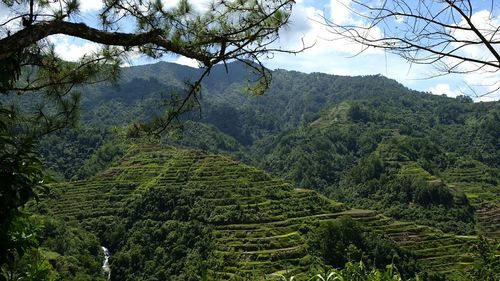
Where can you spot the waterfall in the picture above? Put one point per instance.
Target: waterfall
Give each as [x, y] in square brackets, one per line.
[105, 263]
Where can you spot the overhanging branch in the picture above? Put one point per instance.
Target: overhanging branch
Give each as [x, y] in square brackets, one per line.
[33, 33]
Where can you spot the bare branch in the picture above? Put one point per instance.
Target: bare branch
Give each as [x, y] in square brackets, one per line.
[425, 32]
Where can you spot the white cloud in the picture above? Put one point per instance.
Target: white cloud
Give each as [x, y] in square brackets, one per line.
[333, 54]
[198, 5]
[90, 5]
[487, 98]
[187, 61]
[487, 24]
[330, 53]
[7, 25]
[483, 79]
[445, 89]
[16, 9]
[484, 84]
[299, 28]
[85, 6]
[477, 74]
[307, 24]
[71, 49]
[340, 11]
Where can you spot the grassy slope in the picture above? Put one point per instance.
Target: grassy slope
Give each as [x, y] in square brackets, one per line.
[258, 221]
[483, 195]
[317, 143]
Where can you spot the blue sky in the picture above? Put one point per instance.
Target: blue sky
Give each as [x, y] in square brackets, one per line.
[328, 55]
[336, 56]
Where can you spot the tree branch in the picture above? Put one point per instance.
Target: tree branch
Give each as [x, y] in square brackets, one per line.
[39, 31]
[477, 32]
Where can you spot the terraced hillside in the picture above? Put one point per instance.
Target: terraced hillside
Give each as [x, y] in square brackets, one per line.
[256, 219]
[257, 222]
[437, 252]
[480, 185]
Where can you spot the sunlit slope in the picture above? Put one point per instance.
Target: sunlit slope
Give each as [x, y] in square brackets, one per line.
[256, 219]
[412, 162]
[437, 252]
[258, 223]
[481, 186]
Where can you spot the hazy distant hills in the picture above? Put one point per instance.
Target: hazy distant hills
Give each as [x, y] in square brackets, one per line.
[292, 98]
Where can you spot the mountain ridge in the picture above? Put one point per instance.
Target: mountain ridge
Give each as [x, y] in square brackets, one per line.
[427, 164]
[256, 224]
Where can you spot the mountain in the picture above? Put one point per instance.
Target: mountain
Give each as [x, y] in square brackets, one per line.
[322, 131]
[416, 171]
[163, 212]
[396, 159]
[293, 98]
[175, 214]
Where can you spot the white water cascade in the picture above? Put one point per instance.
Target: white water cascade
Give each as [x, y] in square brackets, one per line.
[105, 264]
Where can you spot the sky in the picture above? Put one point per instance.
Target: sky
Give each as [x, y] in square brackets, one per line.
[339, 56]
[328, 53]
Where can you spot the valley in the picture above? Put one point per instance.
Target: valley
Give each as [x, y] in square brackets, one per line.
[259, 224]
[260, 140]
[248, 189]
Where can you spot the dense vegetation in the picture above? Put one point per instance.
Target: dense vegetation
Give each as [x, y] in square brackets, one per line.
[367, 141]
[345, 240]
[169, 213]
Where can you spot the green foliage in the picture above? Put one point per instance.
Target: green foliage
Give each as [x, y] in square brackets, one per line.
[367, 141]
[33, 266]
[19, 242]
[207, 137]
[388, 160]
[355, 271]
[185, 215]
[50, 249]
[79, 153]
[487, 265]
[22, 237]
[21, 177]
[345, 240]
[168, 213]
[169, 250]
[357, 114]
[359, 272]
[10, 69]
[101, 159]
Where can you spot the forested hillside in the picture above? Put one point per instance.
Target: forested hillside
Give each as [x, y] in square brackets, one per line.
[367, 141]
[176, 214]
[391, 157]
[421, 172]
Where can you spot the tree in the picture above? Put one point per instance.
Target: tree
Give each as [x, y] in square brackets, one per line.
[487, 262]
[21, 180]
[456, 36]
[228, 30]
